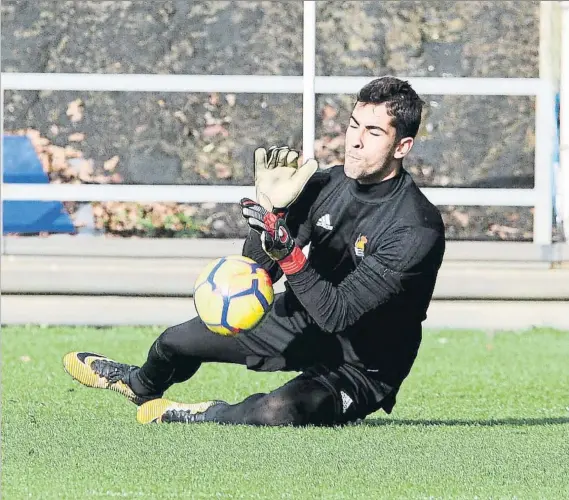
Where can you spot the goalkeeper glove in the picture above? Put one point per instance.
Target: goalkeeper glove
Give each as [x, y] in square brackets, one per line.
[278, 178]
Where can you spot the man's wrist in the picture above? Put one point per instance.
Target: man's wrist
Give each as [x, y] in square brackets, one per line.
[293, 262]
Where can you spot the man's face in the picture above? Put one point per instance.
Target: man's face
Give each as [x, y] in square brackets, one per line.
[372, 152]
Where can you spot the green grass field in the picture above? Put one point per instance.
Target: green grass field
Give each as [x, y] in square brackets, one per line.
[479, 417]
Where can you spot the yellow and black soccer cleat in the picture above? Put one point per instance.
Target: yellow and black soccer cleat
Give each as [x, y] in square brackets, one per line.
[95, 370]
[165, 411]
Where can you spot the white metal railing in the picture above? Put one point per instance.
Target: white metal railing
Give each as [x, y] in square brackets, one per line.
[540, 197]
[261, 84]
[232, 194]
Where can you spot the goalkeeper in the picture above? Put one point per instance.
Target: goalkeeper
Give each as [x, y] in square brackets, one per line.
[350, 318]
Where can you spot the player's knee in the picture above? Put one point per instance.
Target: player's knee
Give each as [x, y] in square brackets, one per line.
[304, 403]
[276, 410]
[167, 344]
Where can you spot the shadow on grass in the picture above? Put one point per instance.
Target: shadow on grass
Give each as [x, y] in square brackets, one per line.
[520, 422]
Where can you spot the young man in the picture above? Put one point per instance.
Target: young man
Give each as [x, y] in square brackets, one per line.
[350, 318]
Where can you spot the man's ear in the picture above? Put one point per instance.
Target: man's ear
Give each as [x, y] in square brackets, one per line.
[403, 147]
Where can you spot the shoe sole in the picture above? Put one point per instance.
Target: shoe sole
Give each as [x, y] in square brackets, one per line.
[153, 411]
[85, 375]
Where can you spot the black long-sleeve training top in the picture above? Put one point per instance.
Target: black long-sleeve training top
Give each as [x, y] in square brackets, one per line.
[375, 251]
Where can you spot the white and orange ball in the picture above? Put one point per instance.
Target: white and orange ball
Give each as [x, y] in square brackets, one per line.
[232, 294]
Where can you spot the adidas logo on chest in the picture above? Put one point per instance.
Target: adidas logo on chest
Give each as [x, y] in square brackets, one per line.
[324, 222]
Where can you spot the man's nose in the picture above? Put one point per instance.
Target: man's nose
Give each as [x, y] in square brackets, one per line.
[357, 141]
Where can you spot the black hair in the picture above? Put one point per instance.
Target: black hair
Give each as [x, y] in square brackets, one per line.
[402, 103]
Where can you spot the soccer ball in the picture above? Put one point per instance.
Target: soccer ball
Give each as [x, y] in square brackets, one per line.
[232, 294]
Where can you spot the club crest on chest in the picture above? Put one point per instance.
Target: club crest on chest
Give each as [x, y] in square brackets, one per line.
[360, 245]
